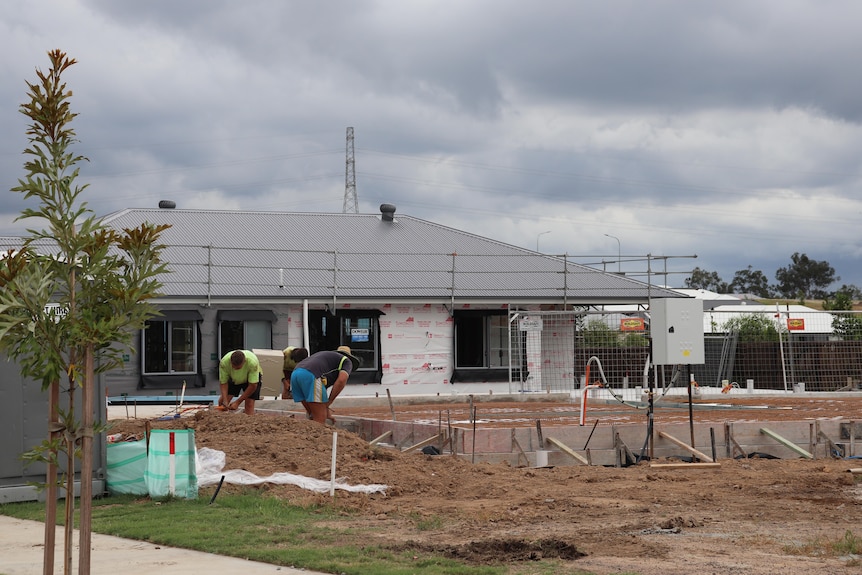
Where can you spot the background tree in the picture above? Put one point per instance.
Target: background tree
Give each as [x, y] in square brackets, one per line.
[847, 326]
[851, 291]
[702, 279]
[752, 327]
[598, 334]
[805, 278]
[839, 301]
[750, 281]
[100, 278]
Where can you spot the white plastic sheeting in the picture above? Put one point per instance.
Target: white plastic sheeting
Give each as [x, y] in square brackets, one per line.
[211, 462]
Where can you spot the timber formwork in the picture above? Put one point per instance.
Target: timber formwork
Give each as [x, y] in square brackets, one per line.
[538, 443]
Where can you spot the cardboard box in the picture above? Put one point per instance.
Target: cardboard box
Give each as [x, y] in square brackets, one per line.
[272, 364]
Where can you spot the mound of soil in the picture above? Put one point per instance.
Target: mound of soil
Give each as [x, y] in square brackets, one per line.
[754, 516]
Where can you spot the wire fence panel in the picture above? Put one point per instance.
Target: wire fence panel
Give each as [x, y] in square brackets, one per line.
[800, 351]
[553, 350]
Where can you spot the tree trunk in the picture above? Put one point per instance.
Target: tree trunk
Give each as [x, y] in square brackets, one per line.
[70, 433]
[51, 480]
[87, 407]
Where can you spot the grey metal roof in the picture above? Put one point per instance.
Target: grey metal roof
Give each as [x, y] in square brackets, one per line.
[274, 256]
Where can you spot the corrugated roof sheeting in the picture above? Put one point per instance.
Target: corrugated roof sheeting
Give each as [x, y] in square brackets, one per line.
[307, 255]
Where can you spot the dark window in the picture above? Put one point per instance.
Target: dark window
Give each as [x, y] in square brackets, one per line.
[244, 329]
[481, 340]
[357, 329]
[481, 345]
[170, 347]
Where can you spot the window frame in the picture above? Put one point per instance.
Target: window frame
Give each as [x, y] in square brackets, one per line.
[483, 367]
[168, 322]
[246, 319]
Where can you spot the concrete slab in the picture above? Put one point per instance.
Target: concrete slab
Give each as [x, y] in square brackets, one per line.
[21, 553]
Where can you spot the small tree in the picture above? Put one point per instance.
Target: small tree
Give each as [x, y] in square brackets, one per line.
[847, 326]
[852, 291]
[598, 334]
[840, 301]
[101, 280]
[752, 327]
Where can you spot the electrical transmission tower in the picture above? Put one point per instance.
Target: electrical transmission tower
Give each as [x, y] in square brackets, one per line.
[351, 204]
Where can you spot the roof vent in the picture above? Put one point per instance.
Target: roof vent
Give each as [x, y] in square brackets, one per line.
[388, 212]
[167, 204]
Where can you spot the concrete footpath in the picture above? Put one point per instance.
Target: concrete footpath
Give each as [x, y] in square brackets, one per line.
[22, 545]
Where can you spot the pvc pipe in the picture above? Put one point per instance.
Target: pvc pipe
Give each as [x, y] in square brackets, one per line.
[541, 458]
[584, 403]
[305, 337]
[588, 386]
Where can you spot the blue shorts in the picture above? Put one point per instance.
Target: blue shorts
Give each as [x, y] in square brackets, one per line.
[305, 387]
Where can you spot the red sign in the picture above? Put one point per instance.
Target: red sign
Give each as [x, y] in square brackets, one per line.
[795, 324]
[632, 324]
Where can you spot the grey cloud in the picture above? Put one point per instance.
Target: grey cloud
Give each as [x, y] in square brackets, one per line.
[620, 117]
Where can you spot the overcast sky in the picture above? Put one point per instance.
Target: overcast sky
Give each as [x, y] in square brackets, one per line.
[728, 130]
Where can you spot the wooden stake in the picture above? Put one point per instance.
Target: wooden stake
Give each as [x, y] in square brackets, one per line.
[381, 437]
[391, 406]
[473, 416]
[630, 457]
[699, 454]
[712, 442]
[591, 434]
[787, 443]
[423, 443]
[520, 450]
[568, 450]
[712, 465]
[450, 436]
[737, 447]
[833, 449]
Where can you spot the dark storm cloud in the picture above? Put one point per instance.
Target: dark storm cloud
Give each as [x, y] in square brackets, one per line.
[726, 129]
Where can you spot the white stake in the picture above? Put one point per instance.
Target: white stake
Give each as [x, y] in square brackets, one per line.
[183, 395]
[332, 477]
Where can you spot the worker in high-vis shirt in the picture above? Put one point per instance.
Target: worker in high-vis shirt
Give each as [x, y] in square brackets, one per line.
[239, 376]
[319, 379]
[292, 356]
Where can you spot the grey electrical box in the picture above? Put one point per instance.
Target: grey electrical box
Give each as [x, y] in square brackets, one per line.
[676, 327]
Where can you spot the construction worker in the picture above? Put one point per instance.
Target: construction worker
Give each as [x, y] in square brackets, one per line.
[318, 379]
[239, 376]
[292, 356]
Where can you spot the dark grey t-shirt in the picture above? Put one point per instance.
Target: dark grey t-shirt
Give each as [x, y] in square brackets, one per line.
[326, 364]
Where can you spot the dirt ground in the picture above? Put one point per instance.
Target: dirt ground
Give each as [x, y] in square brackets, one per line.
[753, 517]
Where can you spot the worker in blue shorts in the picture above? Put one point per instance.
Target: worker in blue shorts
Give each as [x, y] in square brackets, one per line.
[318, 379]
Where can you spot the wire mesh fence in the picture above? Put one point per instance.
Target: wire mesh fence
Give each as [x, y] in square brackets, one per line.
[758, 349]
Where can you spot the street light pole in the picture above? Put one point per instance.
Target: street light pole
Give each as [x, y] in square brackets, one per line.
[619, 257]
[538, 236]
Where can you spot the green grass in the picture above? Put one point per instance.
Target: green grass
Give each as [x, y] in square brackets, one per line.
[848, 545]
[262, 528]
